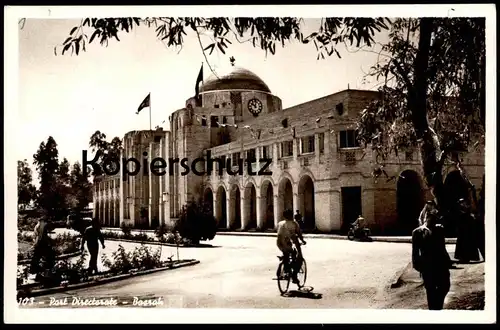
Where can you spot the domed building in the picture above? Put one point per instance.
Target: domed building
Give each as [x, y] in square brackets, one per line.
[304, 158]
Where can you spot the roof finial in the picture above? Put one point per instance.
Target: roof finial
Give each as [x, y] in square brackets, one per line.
[231, 59]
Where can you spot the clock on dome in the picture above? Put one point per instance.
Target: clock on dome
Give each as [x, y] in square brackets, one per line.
[255, 107]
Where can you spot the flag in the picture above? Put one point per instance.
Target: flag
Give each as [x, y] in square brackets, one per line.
[146, 103]
[198, 81]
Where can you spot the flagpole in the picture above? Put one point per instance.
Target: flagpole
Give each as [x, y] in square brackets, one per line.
[150, 128]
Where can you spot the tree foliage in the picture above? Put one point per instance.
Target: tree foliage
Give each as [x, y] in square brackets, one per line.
[433, 94]
[107, 150]
[81, 189]
[25, 189]
[62, 191]
[49, 197]
[196, 223]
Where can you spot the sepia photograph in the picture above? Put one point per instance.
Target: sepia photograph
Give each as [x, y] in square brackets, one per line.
[250, 163]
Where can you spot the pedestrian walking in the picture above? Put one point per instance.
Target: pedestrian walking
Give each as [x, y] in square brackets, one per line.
[42, 248]
[430, 258]
[466, 248]
[430, 206]
[298, 217]
[92, 235]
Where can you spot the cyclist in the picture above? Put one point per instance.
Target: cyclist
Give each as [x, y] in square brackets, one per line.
[289, 234]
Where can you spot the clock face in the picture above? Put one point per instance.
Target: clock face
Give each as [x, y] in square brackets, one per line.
[255, 106]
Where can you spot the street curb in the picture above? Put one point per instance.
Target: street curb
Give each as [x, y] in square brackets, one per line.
[41, 292]
[333, 236]
[388, 239]
[155, 243]
[59, 257]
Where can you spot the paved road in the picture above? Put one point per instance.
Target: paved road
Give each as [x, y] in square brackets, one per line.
[238, 272]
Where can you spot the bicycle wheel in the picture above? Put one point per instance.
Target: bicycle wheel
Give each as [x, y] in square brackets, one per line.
[302, 274]
[283, 278]
[350, 235]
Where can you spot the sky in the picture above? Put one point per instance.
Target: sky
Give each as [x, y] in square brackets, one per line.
[69, 97]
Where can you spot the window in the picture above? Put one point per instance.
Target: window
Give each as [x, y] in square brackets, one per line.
[203, 121]
[224, 120]
[321, 141]
[266, 152]
[340, 108]
[223, 104]
[284, 123]
[235, 158]
[307, 144]
[251, 156]
[409, 155]
[216, 106]
[287, 149]
[213, 121]
[348, 139]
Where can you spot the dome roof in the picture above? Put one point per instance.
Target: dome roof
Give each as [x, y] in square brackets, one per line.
[236, 78]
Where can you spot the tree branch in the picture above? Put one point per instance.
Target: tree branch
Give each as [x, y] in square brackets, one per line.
[205, 55]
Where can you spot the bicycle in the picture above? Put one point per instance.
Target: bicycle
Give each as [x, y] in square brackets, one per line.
[284, 277]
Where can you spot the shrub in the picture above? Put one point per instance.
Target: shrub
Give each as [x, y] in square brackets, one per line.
[22, 275]
[161, 231]
[196, 223]
[140, 237]
[126, 229]
[121, 261]
[142, 257]
[69, 272]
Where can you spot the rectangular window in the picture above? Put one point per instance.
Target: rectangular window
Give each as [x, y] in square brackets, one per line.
[321, 138]
[340, 109]
[213, 121]
[235, 158]
[266, 152]
[287, 149]
[203, 121]
[224, 120]
[307, 144]
[251, 155]
[348, 139]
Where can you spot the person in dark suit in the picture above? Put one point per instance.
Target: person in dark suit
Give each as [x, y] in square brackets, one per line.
[92, 236]
[430, 258]
[467, 248]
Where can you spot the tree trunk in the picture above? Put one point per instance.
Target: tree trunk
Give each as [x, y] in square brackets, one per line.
[417, 102]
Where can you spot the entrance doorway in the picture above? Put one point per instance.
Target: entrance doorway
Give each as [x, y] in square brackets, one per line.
[351, 206]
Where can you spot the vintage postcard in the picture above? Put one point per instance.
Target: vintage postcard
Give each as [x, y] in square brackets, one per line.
[285, 164]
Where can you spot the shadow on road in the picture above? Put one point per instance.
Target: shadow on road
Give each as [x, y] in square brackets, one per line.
[306, 292]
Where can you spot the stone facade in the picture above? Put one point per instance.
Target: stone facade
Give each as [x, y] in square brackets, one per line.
[317, 166]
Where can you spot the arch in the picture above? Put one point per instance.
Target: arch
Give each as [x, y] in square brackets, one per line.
[307, 172]
[285, 194]
[249, 181]
[306, 201]
[409, 200]
[208, 199]
[250, 206]
[235, 205]
[267, 204]
[221, 208]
